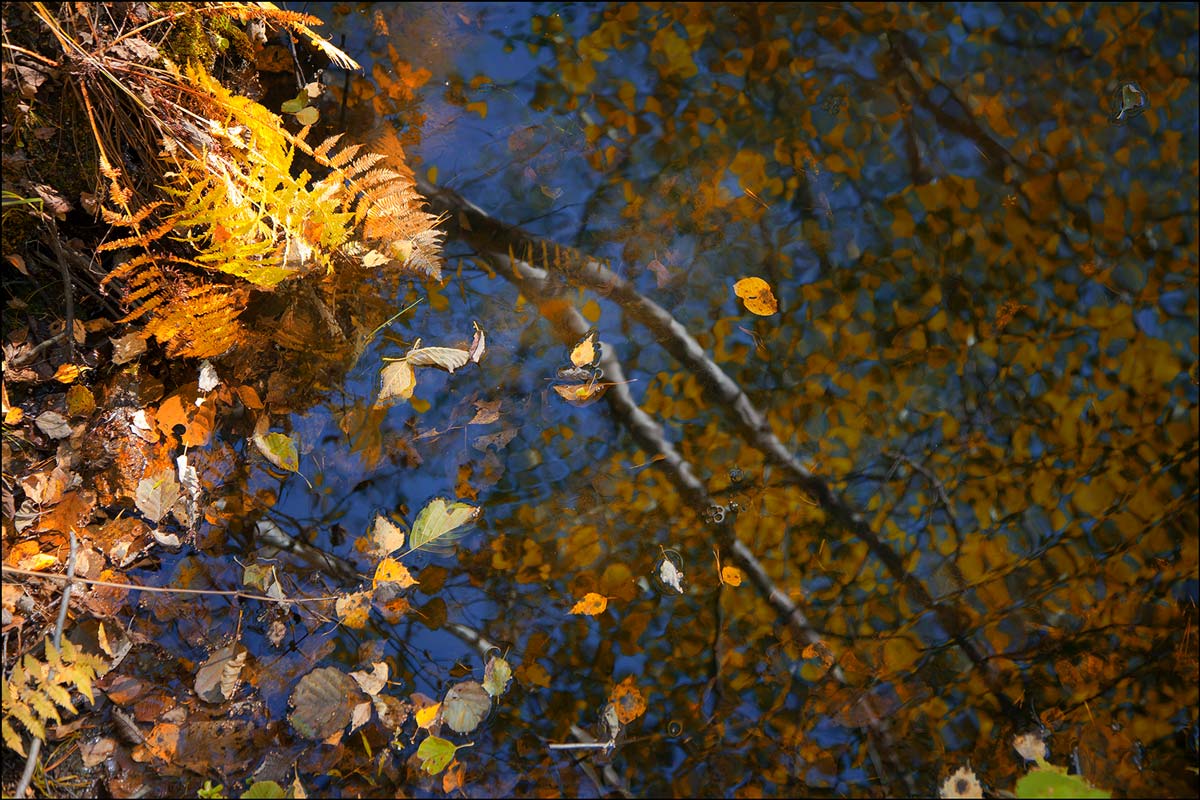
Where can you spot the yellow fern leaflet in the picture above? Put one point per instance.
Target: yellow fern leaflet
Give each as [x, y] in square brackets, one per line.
[756, 296]
[587, 353]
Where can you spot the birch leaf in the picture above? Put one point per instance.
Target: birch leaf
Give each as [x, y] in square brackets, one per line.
[437, 520]
[386, 537]
[392, 571]
[587, 353]
[591, 604]
[280, 450]
[496, 676]
[396, 380]
[435, 754]
[448, 358]
[155, 495]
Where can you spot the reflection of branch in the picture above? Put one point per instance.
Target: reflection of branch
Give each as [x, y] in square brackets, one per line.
[505, 244]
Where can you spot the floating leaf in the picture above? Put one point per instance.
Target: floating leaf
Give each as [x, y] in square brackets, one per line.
[155, 495]
[438, 519]
[427, 715]
[322, 703]
[670, 572]
[435, 753]
[731, 576]
[582, 394]
[478, 344]
[280, 450]
[353, 609]
[465, 706]
[1047, 780]
[586, 354]
[591, 604]
[392, 571]
[67, 373]
[372, 682]
[396, 380]
[218, 678]
[448, 358]
[386, 537]
[496, 676]
[208, 377]
[756, 295]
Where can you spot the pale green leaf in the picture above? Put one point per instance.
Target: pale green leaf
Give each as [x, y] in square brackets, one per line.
[280, 450]
[437, 520]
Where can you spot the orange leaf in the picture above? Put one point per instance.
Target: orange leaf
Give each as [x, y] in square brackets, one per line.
[731, 576]
[628, 701]
[67, 373]
[756, 295]
[591, 604]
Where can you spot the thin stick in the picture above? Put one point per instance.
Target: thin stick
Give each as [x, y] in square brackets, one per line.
[389, 321]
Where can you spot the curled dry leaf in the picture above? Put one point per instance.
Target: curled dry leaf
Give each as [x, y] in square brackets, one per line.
[218, 678]
[478, 344]
[448, 358]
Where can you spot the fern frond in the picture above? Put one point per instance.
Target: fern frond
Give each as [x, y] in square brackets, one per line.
[36, 690]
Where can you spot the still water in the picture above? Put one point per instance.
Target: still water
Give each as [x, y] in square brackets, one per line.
[955, 471]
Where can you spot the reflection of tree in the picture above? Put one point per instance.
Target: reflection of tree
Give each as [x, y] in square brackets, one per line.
[978, 377]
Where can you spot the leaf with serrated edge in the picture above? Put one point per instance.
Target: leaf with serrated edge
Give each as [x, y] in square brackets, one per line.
[386, 537]
[280, 450]
[448, 358]
[437, 519]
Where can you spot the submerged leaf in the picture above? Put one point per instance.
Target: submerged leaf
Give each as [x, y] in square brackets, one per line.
[478, 344]
[437, 520]
[323, 701]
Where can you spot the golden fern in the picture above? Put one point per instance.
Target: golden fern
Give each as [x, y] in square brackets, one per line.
[36, 690]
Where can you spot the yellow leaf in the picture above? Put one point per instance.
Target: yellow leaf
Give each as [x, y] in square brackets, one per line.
[353, 609]
[427, 715]
[397, 380]
[591, 604]
[41, 562]
[587, 352]
[14, 415]
[757, 296]
[581, 394]
[67, 373]
[731, 576]
[392, 571]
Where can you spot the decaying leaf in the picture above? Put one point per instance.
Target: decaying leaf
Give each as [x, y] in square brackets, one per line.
[53, 424]
[353, 609]
[627, 701]
[465, 706]
[322, 703]
[155, 495]
[437, 520]
[756, 296]
[218, 678]
[496, 676]
[582, 394]
[486, 412]
[591, 604]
